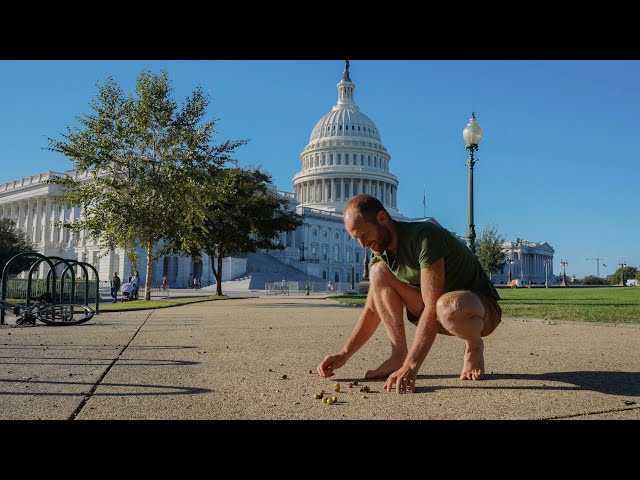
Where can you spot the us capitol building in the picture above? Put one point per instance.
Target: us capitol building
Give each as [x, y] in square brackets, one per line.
[345, 156]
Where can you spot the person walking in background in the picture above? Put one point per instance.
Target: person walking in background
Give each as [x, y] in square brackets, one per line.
[115, 287]
[165, 286]
[135, 281]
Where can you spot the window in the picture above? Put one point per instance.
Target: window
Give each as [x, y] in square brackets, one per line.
[346, 159]
[336, 277]
[324, 274]
[357, 277]
[357, 256]
[336, 253]
[324, 234]
[358, 127]
[347, 258]
[314, 233]
[339, 160]
[361, 159]
[325, 251]
[314, 251]
[337, 235]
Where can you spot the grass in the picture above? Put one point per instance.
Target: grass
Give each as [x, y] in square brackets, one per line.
[602, 304]
[146, 305]
[149, 304]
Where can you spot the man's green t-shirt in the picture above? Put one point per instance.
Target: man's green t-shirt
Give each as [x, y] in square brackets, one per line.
[420, 244]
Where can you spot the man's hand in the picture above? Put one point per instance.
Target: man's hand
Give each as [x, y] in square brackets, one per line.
[331, 363]
[403, 378]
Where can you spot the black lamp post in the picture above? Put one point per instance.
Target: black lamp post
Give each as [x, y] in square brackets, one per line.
[564, 264]
[547, 263]
[622, 265]
[509, 261]
[472, 135]
[353, 279]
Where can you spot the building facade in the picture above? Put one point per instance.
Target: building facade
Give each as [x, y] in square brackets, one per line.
[345, 156]
[532, 262]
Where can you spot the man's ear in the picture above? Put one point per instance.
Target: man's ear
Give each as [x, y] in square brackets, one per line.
[382, 217]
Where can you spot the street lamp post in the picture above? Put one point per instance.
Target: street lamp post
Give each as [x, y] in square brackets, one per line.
[472, 134]
[547, 262]
[622, 265]
[564, 264]
[509, 261]
[353, 279]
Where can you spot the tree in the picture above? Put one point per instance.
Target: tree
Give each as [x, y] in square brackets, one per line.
[490, 253]
[593, 280]
[12, 242]
[629, 272]
[145, 158]
[242, 216]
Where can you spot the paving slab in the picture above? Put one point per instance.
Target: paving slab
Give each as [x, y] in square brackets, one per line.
[227, 359]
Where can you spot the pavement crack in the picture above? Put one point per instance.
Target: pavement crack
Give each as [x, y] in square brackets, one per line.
[88, 395]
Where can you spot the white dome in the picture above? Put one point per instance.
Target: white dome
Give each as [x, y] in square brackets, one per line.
[345, 121]
[345, 156]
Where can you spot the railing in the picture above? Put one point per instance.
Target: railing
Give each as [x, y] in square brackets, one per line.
[17, 288]
[297, 288]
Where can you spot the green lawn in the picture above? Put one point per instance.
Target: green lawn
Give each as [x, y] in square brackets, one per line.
[144, 304]
[604, 304]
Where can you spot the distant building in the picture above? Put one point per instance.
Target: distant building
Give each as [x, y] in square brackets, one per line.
[528, 262]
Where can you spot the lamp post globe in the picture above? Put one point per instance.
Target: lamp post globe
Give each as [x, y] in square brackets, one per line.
[472, 134]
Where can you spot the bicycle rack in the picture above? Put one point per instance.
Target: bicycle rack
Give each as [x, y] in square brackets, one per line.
[52, 277]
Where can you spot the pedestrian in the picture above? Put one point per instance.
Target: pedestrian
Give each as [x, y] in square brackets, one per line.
[165, 286]
[115, 286]
[135, 282]
[425, 269]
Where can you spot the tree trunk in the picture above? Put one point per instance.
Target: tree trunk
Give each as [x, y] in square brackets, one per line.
[147, 287]
[219, 273]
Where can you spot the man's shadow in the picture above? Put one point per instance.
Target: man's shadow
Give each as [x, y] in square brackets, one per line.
[611, 383]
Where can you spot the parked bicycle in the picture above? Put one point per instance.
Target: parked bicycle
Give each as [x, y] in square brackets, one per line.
[46, 311]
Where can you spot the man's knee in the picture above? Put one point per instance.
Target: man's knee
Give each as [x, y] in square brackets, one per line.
[452, 304]
[379, 274]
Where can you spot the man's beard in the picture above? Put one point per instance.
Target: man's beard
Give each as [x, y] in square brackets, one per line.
[384, 239]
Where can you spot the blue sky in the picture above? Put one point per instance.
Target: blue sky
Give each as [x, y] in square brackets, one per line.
[557, 161]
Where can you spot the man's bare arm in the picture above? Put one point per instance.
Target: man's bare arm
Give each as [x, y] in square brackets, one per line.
[432, 288]
[362, 331]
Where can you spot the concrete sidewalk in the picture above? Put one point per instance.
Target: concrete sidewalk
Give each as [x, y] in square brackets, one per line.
[227, 359]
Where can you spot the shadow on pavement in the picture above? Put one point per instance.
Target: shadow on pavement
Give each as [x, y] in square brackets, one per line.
[149, 389]
[610, 383]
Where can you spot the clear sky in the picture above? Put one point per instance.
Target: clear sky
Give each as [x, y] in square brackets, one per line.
[557, 161]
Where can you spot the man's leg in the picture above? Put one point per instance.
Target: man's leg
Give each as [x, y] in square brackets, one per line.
[461, 313]
[389, 295]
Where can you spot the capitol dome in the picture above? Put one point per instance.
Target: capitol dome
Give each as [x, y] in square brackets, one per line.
[345, 156]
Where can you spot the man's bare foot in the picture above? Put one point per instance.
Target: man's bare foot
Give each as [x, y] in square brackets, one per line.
[473, 368]
[387, 367]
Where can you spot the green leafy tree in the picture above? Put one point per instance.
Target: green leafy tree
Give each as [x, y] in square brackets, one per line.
[139, 161]
[593, 280]
[629, 272]
[12, 242]
[490, 253]
[242, 215]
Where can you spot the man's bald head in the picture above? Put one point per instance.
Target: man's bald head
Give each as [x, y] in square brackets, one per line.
[363, 205]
